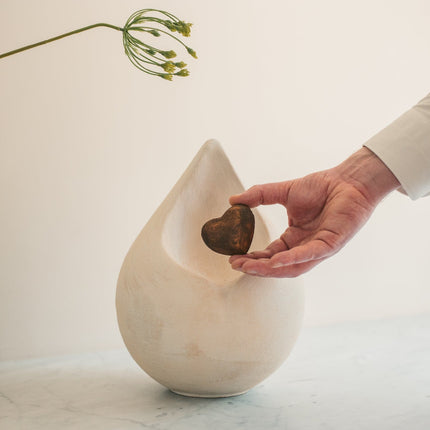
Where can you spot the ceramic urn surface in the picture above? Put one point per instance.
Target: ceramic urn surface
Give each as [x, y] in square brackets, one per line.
[191, 322]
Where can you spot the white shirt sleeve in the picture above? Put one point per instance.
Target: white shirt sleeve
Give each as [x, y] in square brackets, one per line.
[404, 147]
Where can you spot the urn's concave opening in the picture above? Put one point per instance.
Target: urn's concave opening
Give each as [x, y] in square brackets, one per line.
[204, 195]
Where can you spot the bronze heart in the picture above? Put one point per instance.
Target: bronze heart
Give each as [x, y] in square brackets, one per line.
[232, 233]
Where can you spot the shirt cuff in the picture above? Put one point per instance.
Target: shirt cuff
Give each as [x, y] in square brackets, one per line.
[404, 147]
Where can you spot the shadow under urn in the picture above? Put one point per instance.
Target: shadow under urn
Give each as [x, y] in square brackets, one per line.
[189, 321]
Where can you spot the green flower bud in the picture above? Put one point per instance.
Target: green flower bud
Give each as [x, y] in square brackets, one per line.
[180, 65]
[167, 76]
[168, 67]
[168, 54]
[184, 28]
[192, 52]
[183, 72]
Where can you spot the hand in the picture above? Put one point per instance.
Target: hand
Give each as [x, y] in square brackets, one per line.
[325, 210]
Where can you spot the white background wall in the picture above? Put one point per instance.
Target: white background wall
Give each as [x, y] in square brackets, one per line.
[89, 147]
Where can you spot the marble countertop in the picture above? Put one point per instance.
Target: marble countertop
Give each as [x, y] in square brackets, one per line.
[365, 375]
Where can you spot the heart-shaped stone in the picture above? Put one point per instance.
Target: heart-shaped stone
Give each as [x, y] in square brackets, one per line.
[232, 233]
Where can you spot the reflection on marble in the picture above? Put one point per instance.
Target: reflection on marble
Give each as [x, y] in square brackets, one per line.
[372, 375]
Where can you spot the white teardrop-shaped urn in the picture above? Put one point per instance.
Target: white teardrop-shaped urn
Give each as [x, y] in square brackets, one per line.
[191, 322]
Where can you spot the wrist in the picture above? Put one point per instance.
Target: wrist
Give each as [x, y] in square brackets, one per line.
[368, 174]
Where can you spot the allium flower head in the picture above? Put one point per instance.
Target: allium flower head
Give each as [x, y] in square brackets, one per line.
[151, 59]
[136, 32]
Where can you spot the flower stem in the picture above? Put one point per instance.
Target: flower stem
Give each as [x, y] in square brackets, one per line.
[43, 42]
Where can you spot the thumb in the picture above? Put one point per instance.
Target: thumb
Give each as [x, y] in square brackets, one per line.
[266, 194]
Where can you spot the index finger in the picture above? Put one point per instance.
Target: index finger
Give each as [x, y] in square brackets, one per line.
[265, 194]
